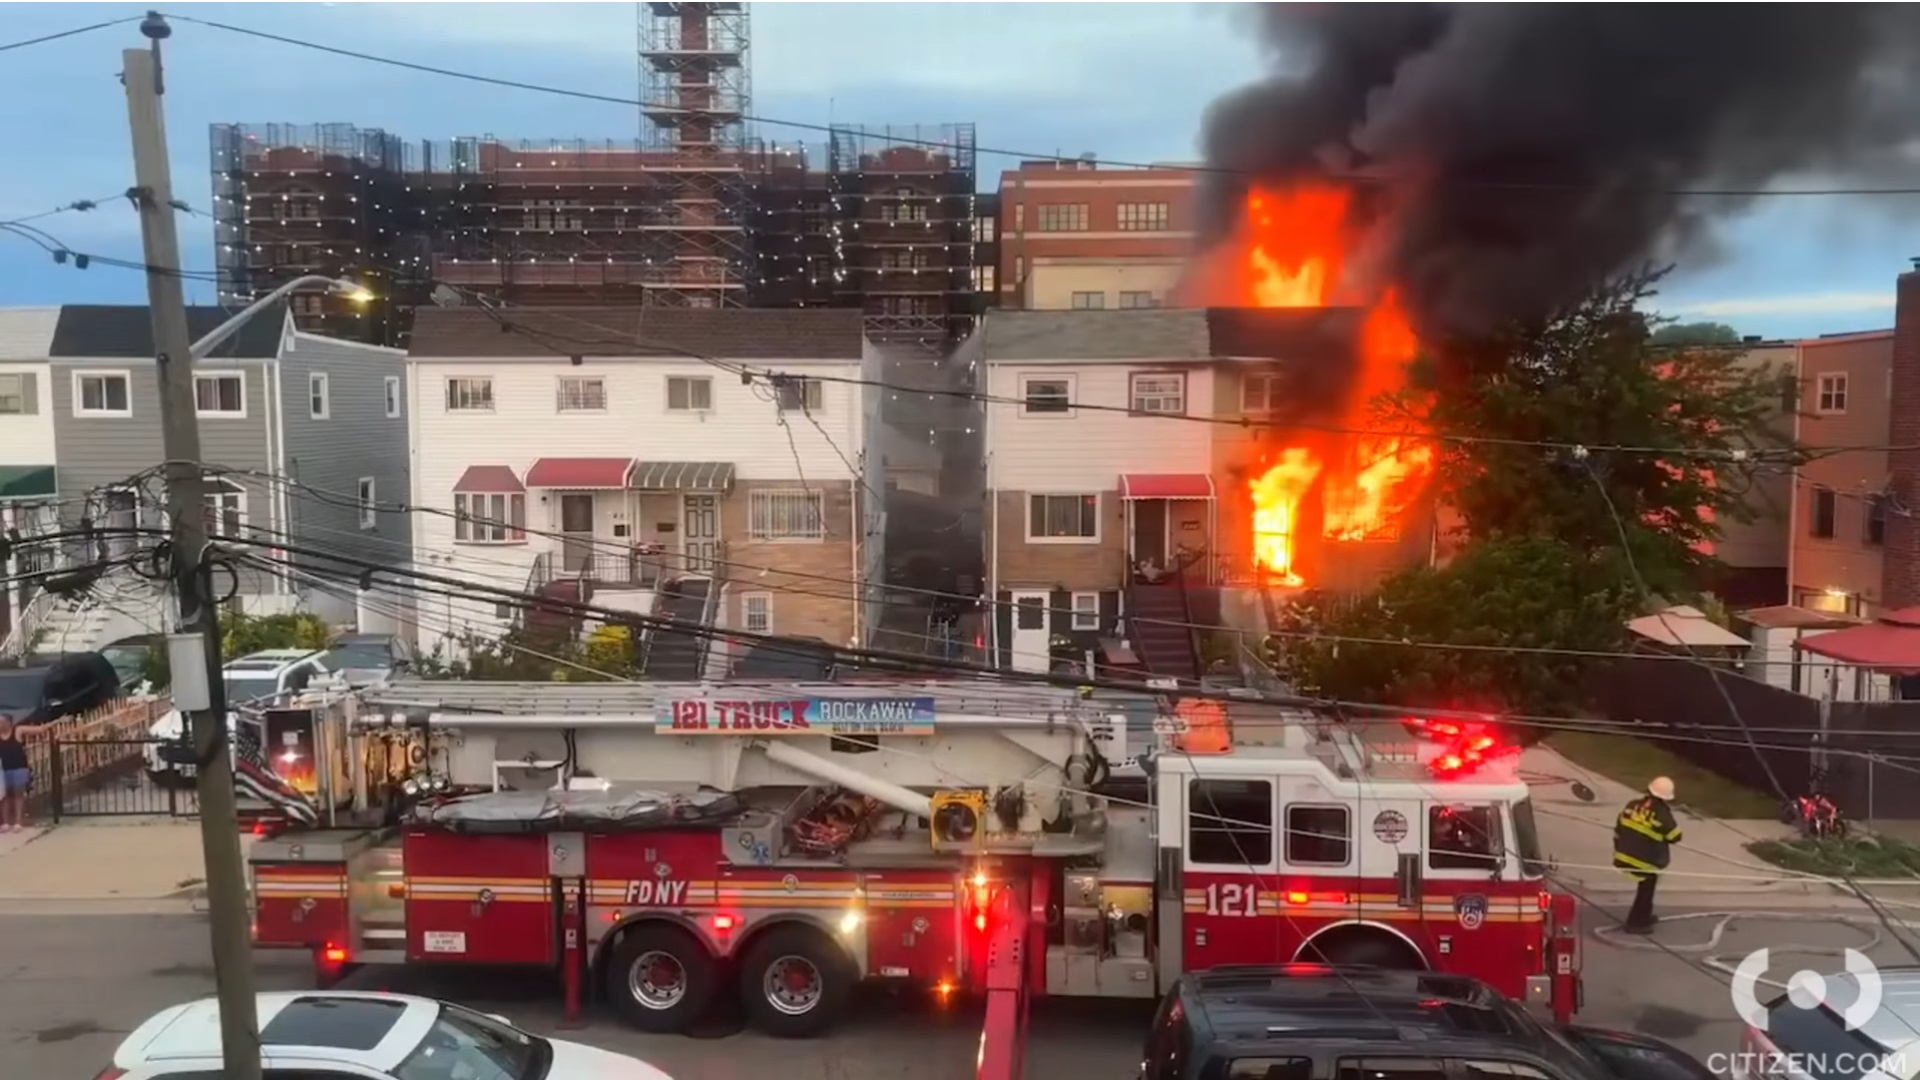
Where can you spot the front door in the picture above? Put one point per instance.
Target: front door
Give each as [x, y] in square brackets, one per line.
[1150, 532]
[1028, 643]
[699, 533]
[576, 532]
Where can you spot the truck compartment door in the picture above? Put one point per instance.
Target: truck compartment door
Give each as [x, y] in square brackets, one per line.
[479, 899]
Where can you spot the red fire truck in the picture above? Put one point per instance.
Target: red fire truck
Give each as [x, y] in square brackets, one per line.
[781, 843]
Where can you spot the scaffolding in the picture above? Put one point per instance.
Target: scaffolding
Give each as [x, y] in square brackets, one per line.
[790, 219]
[906, 226]
[696, 87]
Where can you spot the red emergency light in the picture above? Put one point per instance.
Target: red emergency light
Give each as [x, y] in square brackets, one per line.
[1468, 745]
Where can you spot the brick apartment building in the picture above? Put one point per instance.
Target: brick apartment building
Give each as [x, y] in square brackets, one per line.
[1073, 235]
[1900, 568]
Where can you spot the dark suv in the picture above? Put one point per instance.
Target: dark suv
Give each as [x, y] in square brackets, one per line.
[41, 689]
[1311, 1022]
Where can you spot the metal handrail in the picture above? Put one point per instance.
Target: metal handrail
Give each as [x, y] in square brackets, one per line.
[19, 639]
[710, 611]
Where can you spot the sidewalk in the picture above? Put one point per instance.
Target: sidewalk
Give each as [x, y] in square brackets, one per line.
[117, 859]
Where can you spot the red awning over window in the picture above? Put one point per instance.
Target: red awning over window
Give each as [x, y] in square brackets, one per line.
[489, 480]
[579, 473]
[1166, 486]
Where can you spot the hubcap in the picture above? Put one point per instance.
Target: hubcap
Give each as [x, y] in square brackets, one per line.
[657, 981]
[793, 985]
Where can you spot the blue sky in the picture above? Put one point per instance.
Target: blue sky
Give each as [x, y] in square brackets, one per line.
[1128, 81]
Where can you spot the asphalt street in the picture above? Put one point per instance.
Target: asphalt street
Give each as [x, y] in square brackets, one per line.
[71, 986]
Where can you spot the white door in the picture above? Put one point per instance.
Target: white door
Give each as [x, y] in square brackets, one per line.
[1029, 639]
[699, 533]
[122, 518]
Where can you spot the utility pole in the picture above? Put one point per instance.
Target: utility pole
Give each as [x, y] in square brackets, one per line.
[192, 581]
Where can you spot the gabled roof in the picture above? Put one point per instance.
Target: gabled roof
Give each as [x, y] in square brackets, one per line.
[112, 331]
[726, 333]
[1170, 334]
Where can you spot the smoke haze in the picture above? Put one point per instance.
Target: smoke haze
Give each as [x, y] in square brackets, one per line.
[1528, 150]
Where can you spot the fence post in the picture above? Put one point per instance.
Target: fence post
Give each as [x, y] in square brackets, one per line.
[57, 795]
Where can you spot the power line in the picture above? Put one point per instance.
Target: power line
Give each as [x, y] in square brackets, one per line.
[937, 144]
[75, 32]
[76, 205]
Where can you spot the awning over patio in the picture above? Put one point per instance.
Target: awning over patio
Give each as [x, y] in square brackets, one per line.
[489, 480]
[1890, 645]
[1166, 486]
[1687, 628]
[682, 476]
[26, 482]
[580, 473]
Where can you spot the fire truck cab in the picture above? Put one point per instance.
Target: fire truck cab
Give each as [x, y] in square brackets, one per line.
[681, 848]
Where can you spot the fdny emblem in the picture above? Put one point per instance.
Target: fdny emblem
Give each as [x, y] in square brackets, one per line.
[1471, 910]
[790, 883]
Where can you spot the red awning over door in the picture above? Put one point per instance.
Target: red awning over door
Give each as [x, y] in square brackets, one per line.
[1166, 486]
[579, 473]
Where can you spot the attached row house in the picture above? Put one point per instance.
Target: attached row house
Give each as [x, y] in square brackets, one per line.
[702, 465]
[307, 436]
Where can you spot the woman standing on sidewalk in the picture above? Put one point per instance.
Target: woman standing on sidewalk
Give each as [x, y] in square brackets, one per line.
[16, 775]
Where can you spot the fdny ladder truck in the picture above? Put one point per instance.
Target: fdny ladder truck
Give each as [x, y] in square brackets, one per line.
[664, 845]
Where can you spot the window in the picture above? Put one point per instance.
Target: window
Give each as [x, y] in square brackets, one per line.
[983, 230]
[1130, 299]
[319, 397]
[467, 1044]
[756, 612]
[101, 393]
[1086, 611]
[1820, 519]
[369, 506]
[489, 518]
[1259, 392]
[18, 396]
[1063, 217]
[1318, 836]
[1292, 1068]
[800, 395]
[1143, 217]
[226, 508]
[470, 394]
[220, 395]
[689, 393]
[786, 515]
[1048, 396]
[1832, 394]
[1876, 528]
[392, 390]
[1159, 392]
[1230, 822]
[1464, 838]
[581, 393]
[1063, 517]
[1089, 301]
[984, 279]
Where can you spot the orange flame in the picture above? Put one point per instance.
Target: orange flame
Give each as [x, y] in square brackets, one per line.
[1296, 244]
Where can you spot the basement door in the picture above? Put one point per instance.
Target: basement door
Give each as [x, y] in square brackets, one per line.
[1027, 643]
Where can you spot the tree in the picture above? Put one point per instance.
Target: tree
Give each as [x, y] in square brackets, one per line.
[1695, 333]
[242, 634]
[520, 655]
[1461, 635]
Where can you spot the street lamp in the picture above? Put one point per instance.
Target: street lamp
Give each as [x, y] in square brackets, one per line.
[346, 287]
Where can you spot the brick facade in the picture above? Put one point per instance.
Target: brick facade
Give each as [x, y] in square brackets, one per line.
[810, 582]
[1900, 568]
[1073, 567]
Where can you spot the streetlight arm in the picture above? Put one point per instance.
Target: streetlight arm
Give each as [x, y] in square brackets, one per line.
[225, 330]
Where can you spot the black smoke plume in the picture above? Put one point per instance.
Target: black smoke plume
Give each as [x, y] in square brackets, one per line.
[1520, 152]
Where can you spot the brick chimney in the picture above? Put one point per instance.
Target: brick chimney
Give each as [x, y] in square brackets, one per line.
[1900, 573]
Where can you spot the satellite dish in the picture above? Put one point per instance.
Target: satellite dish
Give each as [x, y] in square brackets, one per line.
[445, 296]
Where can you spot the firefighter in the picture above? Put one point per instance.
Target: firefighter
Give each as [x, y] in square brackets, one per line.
[1643, 840]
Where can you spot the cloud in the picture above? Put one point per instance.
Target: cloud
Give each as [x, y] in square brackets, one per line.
[1832, 303]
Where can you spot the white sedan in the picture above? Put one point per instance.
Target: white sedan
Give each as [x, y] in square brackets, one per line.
[337, 1035]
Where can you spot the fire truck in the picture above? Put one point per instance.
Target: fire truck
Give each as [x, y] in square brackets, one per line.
[663, 846]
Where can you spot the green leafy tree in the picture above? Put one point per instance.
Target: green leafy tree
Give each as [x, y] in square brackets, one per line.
[241, 634]
[521, 655]
[1696, 333]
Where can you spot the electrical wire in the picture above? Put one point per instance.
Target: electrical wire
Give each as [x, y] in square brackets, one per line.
[75, 32]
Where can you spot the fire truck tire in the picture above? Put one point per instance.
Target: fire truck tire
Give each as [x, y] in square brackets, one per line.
[794, 982]
[1352, 947]
[661, 979]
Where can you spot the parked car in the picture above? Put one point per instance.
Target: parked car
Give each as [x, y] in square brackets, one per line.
[1825, 1042]
[255, 680]
[364, 1036]
[369, 659]
[129, 659]
[44, 688]
[1312, 1022]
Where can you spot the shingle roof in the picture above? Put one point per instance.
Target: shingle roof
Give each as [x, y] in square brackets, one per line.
[126, 330]
[1169, 333]
[728, 333]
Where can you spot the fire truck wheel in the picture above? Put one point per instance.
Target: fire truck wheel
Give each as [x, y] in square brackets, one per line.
[662, 979]
[1346, 947]
[794, 982]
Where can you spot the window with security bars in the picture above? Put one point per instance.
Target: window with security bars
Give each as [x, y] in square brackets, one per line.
[1142, 217]
[581, 393]
[470, 394]
[1062, 217]
[756, 613]
[489, 518]
[786, 515]
[1159, 392]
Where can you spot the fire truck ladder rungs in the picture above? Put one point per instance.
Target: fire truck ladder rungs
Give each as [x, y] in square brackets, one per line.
[1003, 1036]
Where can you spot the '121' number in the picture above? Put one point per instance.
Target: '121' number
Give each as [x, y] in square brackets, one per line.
[1233, 898]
